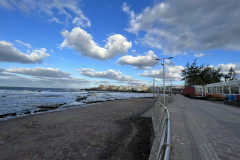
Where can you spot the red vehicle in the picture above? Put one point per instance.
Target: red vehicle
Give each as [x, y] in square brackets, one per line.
[229, 91]
[190, 91]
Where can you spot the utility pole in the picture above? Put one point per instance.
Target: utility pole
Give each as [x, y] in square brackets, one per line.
[164, 87]
[153, 87]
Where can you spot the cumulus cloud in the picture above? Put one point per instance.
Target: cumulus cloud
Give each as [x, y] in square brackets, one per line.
[198, 55]
[54, 77]
[83, 42]
[59, 11]
[22, 81]
[177, 26]
[226, 67]
[109, 74]
[40, 72]
[8, 53]
[139, 62]
[41, 77]
[172, 72]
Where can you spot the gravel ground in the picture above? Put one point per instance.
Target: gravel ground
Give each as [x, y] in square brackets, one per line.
[99, 131]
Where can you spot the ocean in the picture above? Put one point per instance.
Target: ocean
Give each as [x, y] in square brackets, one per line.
[22, 101]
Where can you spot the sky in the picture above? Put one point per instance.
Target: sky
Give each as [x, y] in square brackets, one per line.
[85, 43]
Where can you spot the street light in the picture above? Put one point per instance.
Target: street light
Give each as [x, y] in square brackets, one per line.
[164, 88]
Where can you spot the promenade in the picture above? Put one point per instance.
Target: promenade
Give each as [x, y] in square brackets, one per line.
[204, 130]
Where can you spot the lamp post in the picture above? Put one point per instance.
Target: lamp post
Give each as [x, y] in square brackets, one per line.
[153, 87]
[164, 87]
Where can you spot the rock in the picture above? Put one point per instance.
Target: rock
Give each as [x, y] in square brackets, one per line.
[41, 110]
[7, 115]
[27, 112]
[81, 98]
[52, 106]
[61, 104]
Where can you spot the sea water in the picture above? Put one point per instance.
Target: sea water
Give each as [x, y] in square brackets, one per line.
[21, 99]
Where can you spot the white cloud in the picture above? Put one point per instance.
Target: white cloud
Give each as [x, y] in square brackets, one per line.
[44, 82]
[134, 52]
[158, 79]
[40, 72]
[8, 53]
[126, 9]
[5, 4]
[198, 55]
[2, 69]
[171, 72]
[110, 74]
[177, 26]
[59, 11]
[226, 67]
[24, 44]
[41, 77]
[83, 42]
[4, 73]
[56, 20]
[140, 62]
[54, 77]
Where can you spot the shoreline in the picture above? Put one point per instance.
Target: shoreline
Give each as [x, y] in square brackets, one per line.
[77, 133]
[57, 107]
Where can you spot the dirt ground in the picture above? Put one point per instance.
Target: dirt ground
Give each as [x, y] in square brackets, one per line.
[99, 131]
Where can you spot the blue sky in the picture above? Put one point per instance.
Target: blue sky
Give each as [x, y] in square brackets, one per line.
[85, 43]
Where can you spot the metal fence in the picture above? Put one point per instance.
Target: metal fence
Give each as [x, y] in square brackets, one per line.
[142, 110]
[161, 146]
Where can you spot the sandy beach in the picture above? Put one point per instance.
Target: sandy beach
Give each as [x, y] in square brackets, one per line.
[99, 131]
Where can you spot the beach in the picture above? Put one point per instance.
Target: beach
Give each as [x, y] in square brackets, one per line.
[99, 131]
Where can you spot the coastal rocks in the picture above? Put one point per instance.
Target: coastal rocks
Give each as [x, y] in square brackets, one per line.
[90, 102]
[50, 107]
[25, 112]
[81, 98]
[8, 115]
[42, 108]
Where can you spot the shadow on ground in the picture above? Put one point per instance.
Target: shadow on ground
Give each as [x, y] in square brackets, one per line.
[132, 141]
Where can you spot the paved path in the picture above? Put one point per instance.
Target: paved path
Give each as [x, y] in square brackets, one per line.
[203, 130]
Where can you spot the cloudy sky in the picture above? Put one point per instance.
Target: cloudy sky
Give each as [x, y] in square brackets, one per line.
[85, 43]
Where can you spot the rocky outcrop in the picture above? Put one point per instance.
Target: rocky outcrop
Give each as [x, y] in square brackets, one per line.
[81, 98]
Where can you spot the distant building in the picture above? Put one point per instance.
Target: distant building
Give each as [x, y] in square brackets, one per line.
[139, 88]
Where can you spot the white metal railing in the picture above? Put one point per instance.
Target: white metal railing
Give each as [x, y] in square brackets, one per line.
[161, 146]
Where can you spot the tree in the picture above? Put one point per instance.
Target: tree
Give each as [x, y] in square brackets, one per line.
[231, 75]
[191, 73]
[210, 75]
[195, 74]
